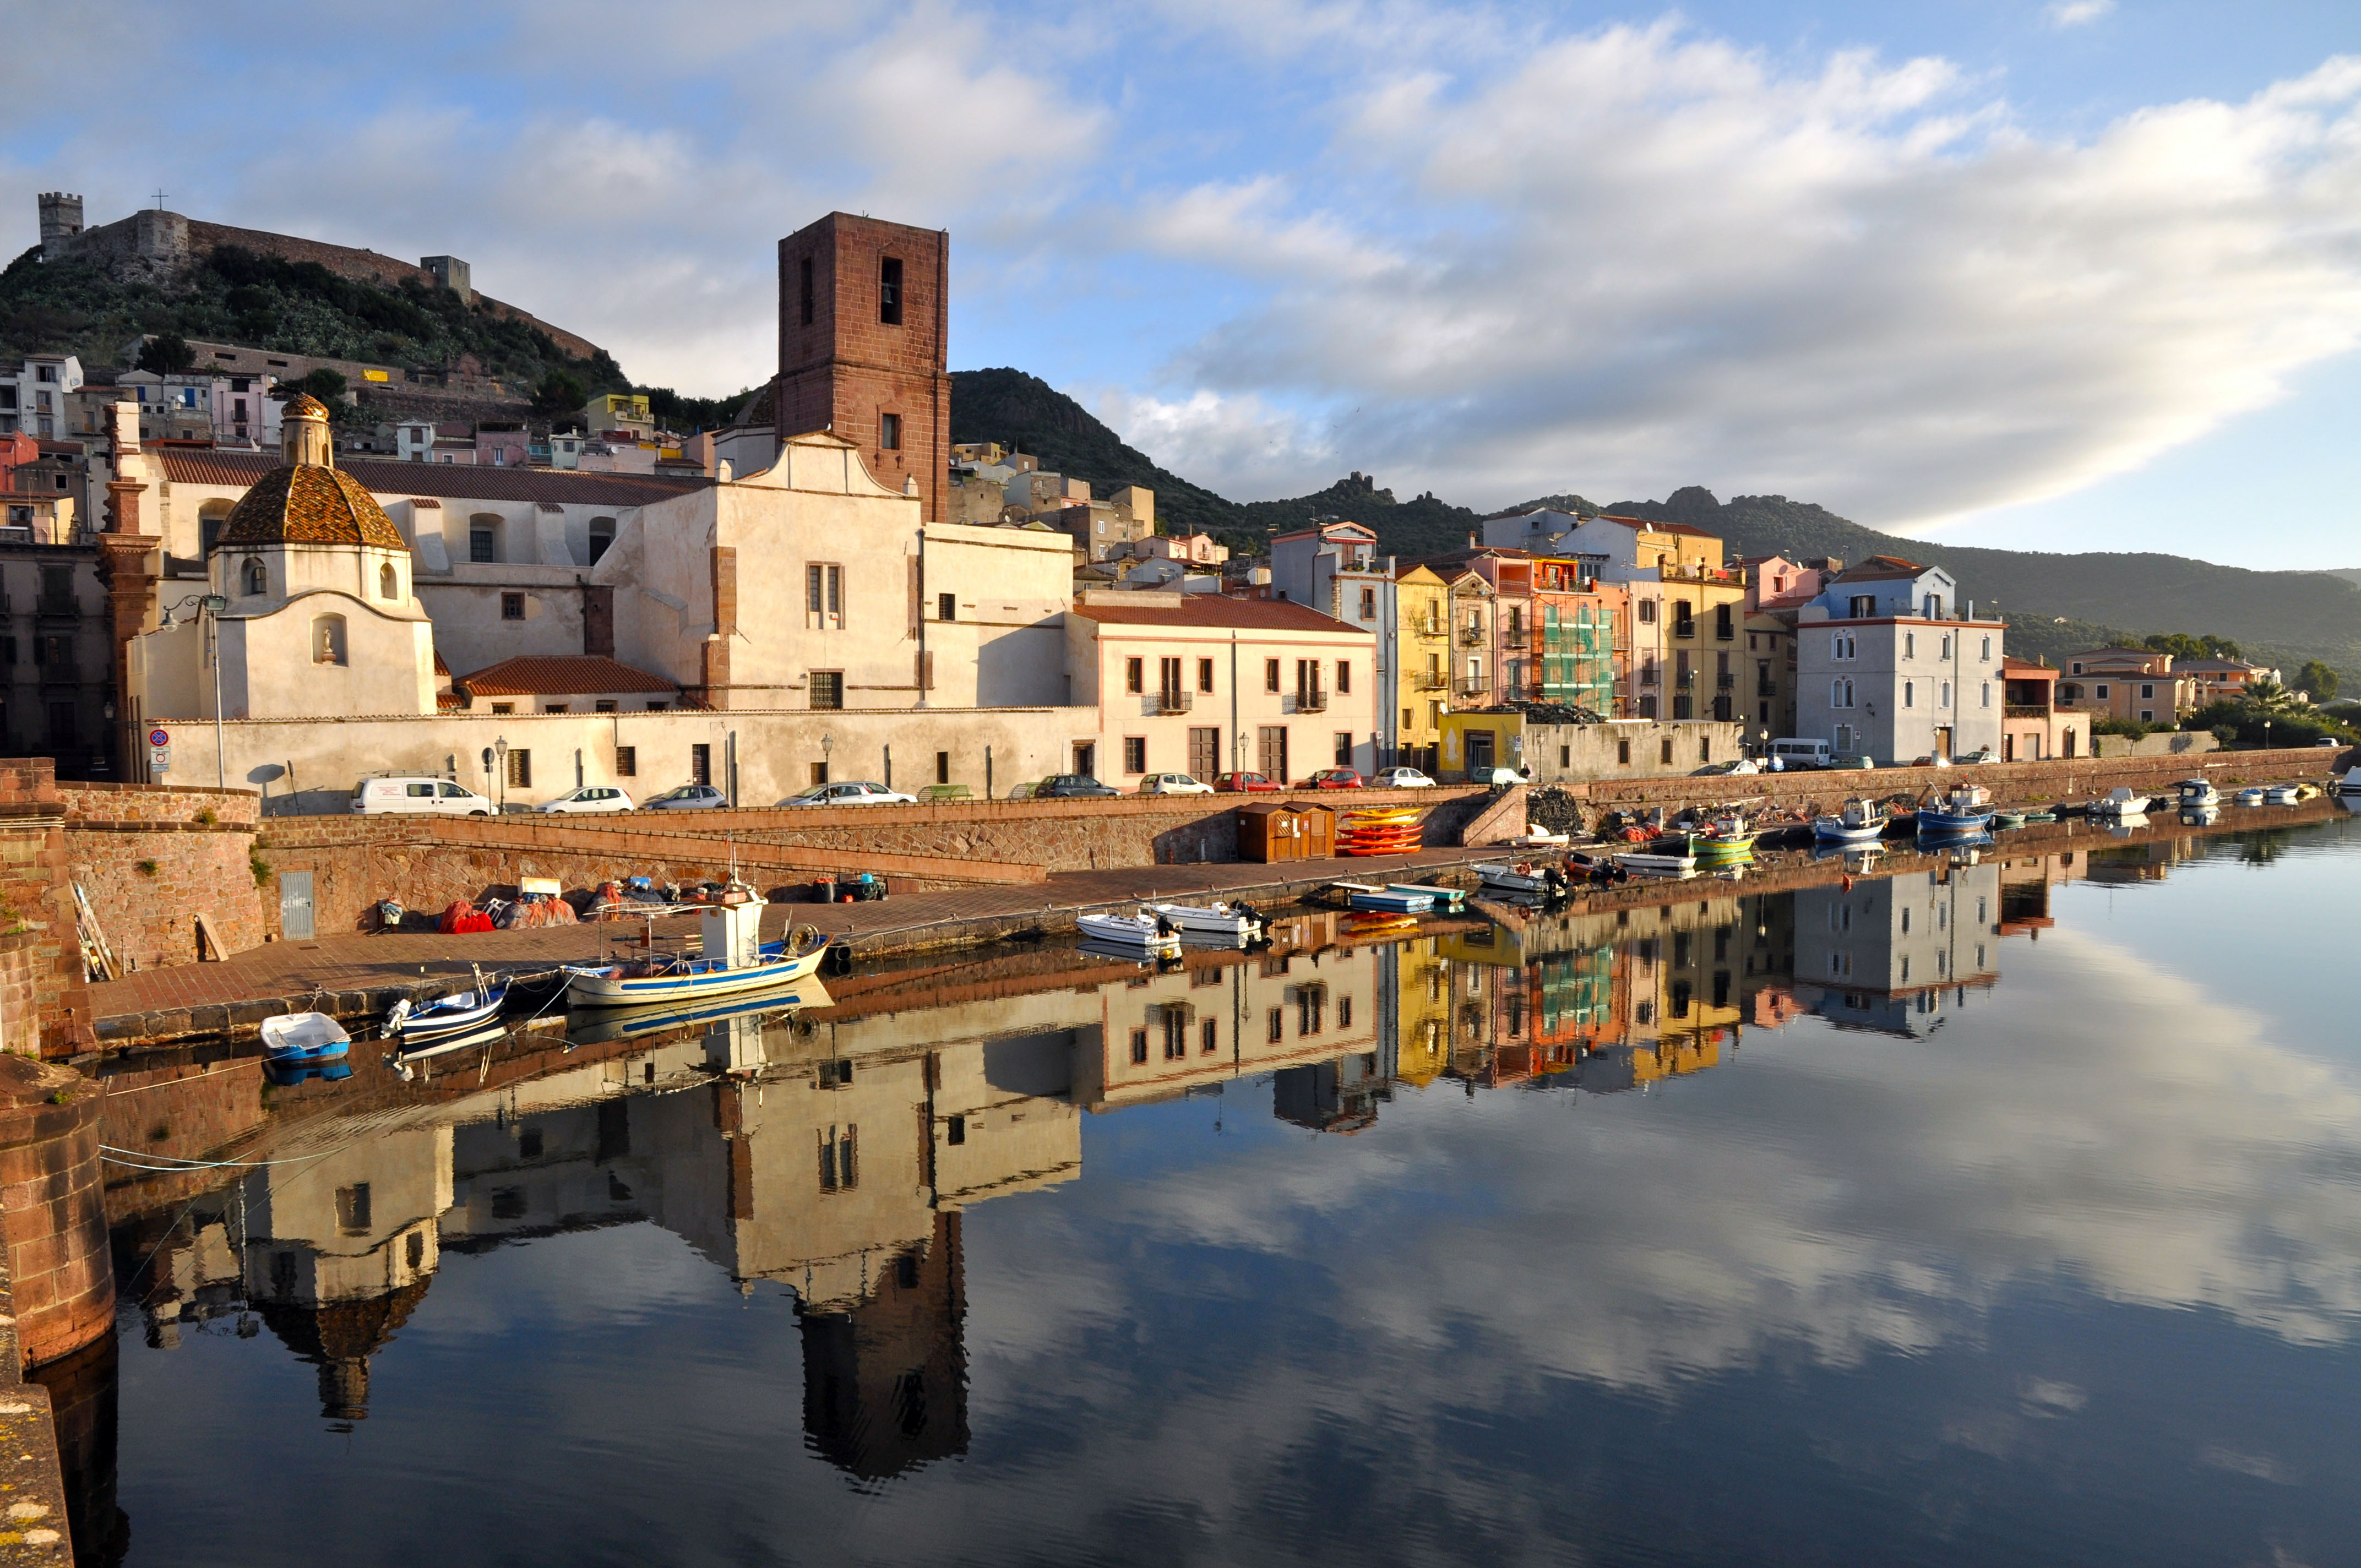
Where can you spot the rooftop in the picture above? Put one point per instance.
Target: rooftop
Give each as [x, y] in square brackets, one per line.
[1213, 609]
[562, 674]
[209, 466]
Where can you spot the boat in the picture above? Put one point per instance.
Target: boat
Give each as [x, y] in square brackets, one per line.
[456, 1013]
[1967, 809]
[1600, 869]
[2041, 817]
[2251, 795]
[609, 1023]
[1656, 862]
[1444, 897]
[1861, 821]
[1237, 922]
[2280, 795]
[1720, 849]
[297, 1038]
[2197, 791]
[730, 961]
[1366, 895]
[2351, 783]
[2120, 802]
[1138, 933]
[486, 1034]
[2008, 819]
[1540, 838]
[2200, 816]
[1517, 876]
[287, 1074]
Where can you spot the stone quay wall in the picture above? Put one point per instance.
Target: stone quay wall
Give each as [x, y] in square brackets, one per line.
[150, 858]
[44, 997]
[52, 1209]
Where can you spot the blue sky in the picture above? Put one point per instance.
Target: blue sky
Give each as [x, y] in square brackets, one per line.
[2062, 274]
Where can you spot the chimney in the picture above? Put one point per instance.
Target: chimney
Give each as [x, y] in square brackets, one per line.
[1471, 539]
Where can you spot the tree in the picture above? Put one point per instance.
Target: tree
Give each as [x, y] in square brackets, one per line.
[324, 384]
[167, 353]
[559, 393]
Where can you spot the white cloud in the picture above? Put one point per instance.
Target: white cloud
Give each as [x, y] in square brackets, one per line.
[2079, 13]
[1643, 259]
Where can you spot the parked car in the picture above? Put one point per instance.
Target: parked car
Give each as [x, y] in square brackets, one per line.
[2331, 741]
[1498, 777]
[1173, 783]
[1793, 751]
[1246, 784]
[1400, 778]
[1742, 765]
[1071, 787]
[851, 791]
[590, 798]
[687, 798]
[1333, 778]
[412, 795]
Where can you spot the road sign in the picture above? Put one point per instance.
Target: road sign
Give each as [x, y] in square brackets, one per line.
[159, 737]
[159, 759]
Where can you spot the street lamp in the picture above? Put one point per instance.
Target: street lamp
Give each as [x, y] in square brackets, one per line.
[500, 756]
[209, 608]
[827, 749]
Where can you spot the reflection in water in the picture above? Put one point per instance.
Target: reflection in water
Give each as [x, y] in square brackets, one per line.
[1866, 1193]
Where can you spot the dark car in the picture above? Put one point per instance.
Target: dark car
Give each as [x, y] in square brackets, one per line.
[1333, 778]
[1246, 784]
[1071, 787]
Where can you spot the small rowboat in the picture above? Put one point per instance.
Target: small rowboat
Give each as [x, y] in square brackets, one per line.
[1238, 922]
[1649, 862]
[2008, 819]
[2251, 796]
[1138, 933]
[1519, 876]
[453, 1014]
[1364, 895]
[1720, 849]
[1444, 897]
[298, 1038]
[2281, 794]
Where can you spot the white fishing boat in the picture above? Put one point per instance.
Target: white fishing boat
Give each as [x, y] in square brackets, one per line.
[1138, 933]
[730, 961]
[2120, 803]
[456, 1013]
[1540, 838]
[1652, 862]
[303, 1037]
[1518, 876]
[1967, 809]
[2281, 794]
[2251, 795]
[1238, 922]
[2196, 792]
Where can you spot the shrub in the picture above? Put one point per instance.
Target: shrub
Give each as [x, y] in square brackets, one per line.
[260, 867]
[2131, 727]
[147, 867]
[207, 817]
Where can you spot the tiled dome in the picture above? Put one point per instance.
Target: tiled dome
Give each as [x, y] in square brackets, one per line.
[308, 504]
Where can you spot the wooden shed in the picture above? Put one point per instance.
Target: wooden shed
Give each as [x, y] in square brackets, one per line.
[1286, 831]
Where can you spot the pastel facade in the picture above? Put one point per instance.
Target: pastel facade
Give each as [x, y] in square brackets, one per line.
[2033, 727]
[1882, 671]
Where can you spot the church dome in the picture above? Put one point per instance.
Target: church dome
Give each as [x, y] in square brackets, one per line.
[309, 504]
[304, 405]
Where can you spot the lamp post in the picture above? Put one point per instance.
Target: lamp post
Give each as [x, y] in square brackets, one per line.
[500, 756]
[827, 749]
[209, 608]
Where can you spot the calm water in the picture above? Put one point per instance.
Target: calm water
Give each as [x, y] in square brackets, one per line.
[2003, 1213]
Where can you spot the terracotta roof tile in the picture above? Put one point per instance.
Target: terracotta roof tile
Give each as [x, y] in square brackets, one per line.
[562, 674]
[309, 504]
[208, 466]
[1218, 609]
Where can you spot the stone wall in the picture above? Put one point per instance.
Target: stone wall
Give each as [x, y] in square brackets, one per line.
[2164, 743]
[44, 999]
[52, 1214]
[150, 858]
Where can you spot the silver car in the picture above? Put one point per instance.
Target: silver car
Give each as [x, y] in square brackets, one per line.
[687, 798]
[851, 792]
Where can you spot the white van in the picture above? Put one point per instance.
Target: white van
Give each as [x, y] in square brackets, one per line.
[1795, 753]
[418, 794]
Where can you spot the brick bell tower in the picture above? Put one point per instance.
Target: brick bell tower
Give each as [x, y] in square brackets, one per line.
[864, 308]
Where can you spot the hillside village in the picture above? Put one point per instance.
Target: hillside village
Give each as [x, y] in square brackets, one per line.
[302, 568]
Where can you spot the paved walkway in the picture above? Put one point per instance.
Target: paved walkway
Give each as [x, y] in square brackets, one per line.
[357, 975]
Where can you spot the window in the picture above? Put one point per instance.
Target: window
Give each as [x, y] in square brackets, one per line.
[1343, 675]
[804, 289]
[603, 705]
[1665, 757]
[499, 707]
[700, 763]
[1623, 753]
[353, 1209]
[2148, 692]
[1985, 657]
[1705, 748]
[1205, 676]
[1987, 694]
[1368, 605]
[1271, 675]
[2100, 690]
[1135, 754]
[483, 542]
[838, 1154]
[889, 432]
[627, 762]
[955, 1130]
[602, 537]
[824, 596]
[1209, 1037]
[1909, 694]
[828, 688]
[389, 585]
[946, 607]
[328, 640]
[1946, 698]
[942, 767]
[1138, 1046]
[1909, 644]
[253, 580]
[511, 606]
[1647, 612]
[1134, 675]
[889, 291]
[2147, 715]
[1343, 748]
[519, 770]
[1946, 650]
[1861, 607]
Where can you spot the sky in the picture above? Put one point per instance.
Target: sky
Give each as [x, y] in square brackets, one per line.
[2046, 274]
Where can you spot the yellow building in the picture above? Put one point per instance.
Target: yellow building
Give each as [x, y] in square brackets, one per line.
[1422, 640]
[619, 411]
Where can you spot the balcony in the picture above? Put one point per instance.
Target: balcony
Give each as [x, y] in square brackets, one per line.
[1171, 701]
[1310, 699]
[1432, 680]
[1432, 630]
[1685, 629]
[1471, 686]
[2024, 710]
[58, 675]
[1471, 636]
[58, 607]
[1766, 688]
[1726, 681]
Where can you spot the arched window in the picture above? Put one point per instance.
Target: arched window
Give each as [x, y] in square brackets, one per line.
[602, 536]
[389, 586]
[210, 517]
[328, 640]
[253, 579]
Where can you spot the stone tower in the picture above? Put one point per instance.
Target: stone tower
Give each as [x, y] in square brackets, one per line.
[61, 220]
[862, 310]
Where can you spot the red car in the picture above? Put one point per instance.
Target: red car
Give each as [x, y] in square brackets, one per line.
[1333, 778]
[1246, 784]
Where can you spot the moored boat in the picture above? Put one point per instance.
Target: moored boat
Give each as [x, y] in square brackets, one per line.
[1444, 897]
[1655, 862]
[2120, 803]
[298, 1038]
[1241, 922]
[1367, 895]
[453, 1014]
[2280, 795]
[1519, 876]
[1140, 932]
[2196, 792]
[2008, 819]
[1860, 821]
[2351, 783]
[731, 961]
[1967, 809]
[2251, 795]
